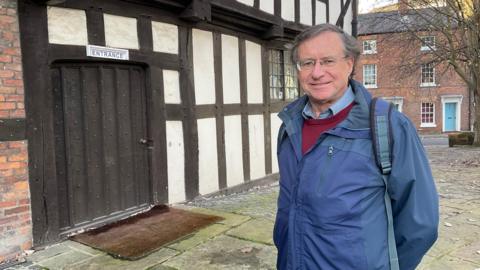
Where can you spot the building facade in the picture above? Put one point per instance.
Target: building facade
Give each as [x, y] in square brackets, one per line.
[433, 96]
[109, 107]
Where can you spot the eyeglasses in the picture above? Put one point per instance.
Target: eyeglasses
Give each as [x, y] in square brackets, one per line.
[308, 65]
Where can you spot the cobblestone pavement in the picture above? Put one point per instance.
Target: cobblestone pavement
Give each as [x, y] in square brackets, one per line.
[457, 174]
[243, 239]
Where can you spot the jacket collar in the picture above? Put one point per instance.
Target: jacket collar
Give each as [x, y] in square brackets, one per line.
[358, 118]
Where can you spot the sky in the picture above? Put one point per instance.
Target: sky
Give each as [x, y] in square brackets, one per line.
[366, 5]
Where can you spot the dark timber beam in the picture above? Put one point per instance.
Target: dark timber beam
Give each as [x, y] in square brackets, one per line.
[197, 10]
[12, 129]
[275, 31]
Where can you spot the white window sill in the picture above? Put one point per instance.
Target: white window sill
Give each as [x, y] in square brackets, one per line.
[428, 125]
[369, 52]
[426, 49]
[371, 86]
[428, 84]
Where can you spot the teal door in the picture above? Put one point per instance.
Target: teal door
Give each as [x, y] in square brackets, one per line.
[450, 116]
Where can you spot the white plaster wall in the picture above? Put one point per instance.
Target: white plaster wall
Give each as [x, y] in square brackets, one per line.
[306, 11]
[320, 12]
[203, 71]
[175, 162]
[207, 156]
[254, 72]
[257, 146]
[230, 70]
[67, 26]
[267, 6]
[275, 123]
[246, 2]
[334, 9]
[233, 150]
[120, 32]
[171, 86]
[288, 10]
[165, 37]
[347, 22]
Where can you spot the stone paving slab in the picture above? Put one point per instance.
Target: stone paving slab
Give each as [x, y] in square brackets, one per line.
[226, 253]
[83, 248]
[256, 230]
[48, 252]
[107, 262]
[161, 267]
[199, 237]
[64, 260]
[230, 219]
[470, 252]
[450, 263]
[258, 202]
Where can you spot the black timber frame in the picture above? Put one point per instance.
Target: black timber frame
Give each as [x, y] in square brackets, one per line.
[218, 16]
[12, 129]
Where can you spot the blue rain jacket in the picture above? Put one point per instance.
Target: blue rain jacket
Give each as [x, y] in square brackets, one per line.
[331, 211]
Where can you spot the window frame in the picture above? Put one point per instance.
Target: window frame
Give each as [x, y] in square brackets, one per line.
[422, 113]
[374, 74]
[426, 47]
[286, 74]
[423, 77]
[373, 49]
[397, 101]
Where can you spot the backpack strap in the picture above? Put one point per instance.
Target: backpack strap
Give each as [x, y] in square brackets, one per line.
[381, 133]
[281, 134]
[382, 139]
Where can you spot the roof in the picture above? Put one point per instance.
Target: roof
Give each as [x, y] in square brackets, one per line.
[386, 8]
[395, 21]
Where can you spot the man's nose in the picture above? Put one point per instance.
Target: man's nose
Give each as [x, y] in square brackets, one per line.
[318, 70]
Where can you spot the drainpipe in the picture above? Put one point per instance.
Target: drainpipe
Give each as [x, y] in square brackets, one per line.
[354, 19]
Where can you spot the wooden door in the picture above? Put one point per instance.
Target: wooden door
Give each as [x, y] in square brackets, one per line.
[100, 142]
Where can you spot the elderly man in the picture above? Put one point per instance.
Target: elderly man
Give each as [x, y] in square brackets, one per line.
[331, 206]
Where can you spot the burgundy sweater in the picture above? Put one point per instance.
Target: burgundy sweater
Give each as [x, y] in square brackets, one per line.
[313, 128]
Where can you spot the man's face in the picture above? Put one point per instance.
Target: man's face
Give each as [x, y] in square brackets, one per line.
[327, 79]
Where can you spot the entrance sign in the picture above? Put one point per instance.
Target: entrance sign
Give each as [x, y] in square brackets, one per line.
[105, 52]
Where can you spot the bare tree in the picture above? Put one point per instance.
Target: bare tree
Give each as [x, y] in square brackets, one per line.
[455, 24]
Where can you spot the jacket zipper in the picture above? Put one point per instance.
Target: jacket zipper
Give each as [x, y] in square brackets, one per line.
[326, 167]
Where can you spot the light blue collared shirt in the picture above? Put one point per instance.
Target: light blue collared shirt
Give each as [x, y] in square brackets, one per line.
[347, 98]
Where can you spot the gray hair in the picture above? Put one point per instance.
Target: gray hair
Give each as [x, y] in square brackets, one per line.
[350, 46]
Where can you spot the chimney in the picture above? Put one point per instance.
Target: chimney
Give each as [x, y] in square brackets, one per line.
[403, 6]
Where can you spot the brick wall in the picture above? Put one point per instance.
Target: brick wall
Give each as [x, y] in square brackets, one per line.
[393, 82]
[15, 215]
[11, 86]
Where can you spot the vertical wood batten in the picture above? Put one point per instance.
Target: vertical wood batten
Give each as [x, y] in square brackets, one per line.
[314, 11]
[92, 111]
[277, 9]
[145, 38]
[40, 131]
[59, 126]
[95, 27]
[266, 111]
[101, 147]
[187, 94]
[219, 114]
[159, 166]
[105, 103]
[244, 109]
[115, 180]
[297, 11]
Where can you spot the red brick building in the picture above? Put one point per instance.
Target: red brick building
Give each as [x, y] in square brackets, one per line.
[431, 95]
